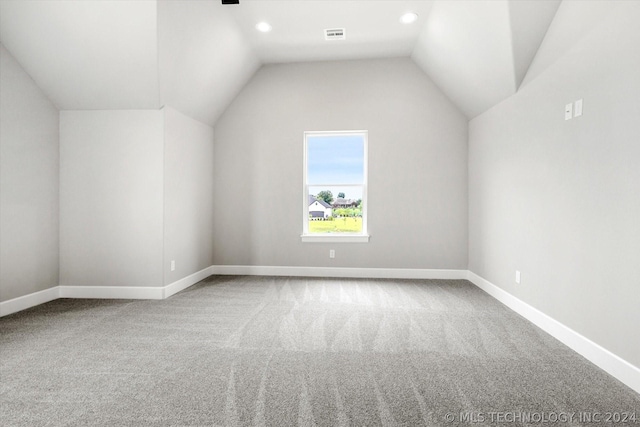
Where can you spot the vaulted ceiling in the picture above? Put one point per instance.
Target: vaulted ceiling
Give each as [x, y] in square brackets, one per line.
[86, 55]
[196, 55]
[478, 52]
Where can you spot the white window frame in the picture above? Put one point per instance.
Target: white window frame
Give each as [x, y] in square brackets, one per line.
[362, 237]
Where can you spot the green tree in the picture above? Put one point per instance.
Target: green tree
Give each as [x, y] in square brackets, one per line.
[325, 195]
[341, 195]
[359, 203]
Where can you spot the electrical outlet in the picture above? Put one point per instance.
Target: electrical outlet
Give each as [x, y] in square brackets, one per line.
[332, 253]
[517, 277]
[173, 265]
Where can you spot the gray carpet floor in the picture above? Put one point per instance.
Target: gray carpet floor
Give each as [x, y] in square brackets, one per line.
[294, 351]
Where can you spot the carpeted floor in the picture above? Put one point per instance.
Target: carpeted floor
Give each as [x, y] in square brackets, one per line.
[295, 351]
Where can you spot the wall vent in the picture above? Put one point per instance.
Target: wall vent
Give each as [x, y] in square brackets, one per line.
[334, 34]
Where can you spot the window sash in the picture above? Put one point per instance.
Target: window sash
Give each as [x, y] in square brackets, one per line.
[363, 185]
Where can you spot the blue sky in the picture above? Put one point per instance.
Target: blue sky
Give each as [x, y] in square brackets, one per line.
[336, 160]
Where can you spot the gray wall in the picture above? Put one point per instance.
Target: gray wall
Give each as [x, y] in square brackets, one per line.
[28, 184]
[560, 200]
[417, 166]
[188, 195]
[111, 198]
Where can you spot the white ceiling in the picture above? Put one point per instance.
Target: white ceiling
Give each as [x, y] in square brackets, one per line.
[478, 52]
[86, 55]
[373, 28]
[572, 22]
[530, 21]
[204, 59]
[196, 55]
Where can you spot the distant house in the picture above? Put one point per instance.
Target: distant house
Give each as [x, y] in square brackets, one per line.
[319, 209]
[344, 203]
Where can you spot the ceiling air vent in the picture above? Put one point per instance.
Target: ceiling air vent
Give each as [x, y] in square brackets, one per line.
[334, 34]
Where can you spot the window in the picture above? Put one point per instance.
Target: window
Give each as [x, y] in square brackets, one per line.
[335, 187]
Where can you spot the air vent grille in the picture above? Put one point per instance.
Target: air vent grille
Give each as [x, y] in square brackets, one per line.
[334, 34]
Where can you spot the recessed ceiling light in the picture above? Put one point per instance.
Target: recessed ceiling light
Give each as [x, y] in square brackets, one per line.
[263, 26]
[408, 18]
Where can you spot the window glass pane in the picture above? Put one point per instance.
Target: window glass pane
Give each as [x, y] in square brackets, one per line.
[335, 159]
[335, 209]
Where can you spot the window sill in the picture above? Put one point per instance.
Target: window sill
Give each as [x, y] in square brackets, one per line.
[335, 238]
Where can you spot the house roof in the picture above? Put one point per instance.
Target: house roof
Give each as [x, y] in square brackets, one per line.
[342, 201]
[322, 202]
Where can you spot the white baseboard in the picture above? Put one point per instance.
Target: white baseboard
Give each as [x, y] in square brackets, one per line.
[184, 283]
[368, 273]
[135, 292]
[102, 292]
[27, 301]
[601, 357]
[112, 292]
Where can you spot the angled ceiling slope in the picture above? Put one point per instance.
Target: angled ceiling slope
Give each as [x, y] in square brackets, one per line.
[86, 54]
[478, 52]
[573, 21]
[530, 21]
[196, 55]
[204, 58]
[105, 55]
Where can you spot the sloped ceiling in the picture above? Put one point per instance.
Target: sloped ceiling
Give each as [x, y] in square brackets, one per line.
[86, 54]
[91, 55]
[204, 59]
[530, 21]
[573, 21]
[478, 52]
[196, 55]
